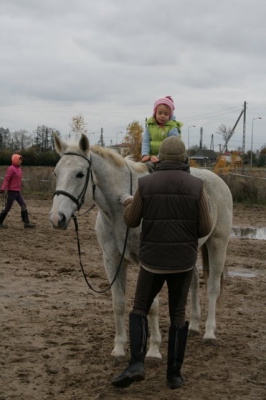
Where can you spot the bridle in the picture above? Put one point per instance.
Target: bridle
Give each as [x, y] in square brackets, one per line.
[79, 201]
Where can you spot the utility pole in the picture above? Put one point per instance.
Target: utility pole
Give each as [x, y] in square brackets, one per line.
[244, 133]
[101, 141]
[46, 139]
[201, 134]
[212, 143]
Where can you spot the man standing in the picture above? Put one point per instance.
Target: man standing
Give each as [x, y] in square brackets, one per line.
[174, 212]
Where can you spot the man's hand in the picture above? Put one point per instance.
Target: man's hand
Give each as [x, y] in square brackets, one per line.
[124, 197]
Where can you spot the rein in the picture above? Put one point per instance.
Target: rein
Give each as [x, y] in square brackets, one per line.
[79, 204]
[4, 200]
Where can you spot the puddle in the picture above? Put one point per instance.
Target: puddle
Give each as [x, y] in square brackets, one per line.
[243, 274]
[249, 233]
[240, 272]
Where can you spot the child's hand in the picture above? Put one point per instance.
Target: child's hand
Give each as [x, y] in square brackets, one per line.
[154, 159]
[124, 197]
[145, 158]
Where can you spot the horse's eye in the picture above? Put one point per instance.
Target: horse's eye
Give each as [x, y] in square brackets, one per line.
[80, 175]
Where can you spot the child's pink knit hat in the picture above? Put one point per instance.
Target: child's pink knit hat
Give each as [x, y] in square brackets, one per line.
[167, 101]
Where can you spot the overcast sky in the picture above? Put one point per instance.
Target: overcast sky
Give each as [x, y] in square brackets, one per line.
[109, 60]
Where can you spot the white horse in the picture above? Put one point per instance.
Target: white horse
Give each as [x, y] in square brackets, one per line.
[110, 175]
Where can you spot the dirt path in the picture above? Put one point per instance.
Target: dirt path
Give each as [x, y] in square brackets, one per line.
[56, 335]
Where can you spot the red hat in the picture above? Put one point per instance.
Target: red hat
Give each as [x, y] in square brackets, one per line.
[167, 101]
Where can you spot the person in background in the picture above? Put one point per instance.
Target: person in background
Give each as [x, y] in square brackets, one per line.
[161, 125]
[174, 212]
[12, 183]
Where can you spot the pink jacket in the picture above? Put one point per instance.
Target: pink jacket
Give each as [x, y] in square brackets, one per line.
[13, 178]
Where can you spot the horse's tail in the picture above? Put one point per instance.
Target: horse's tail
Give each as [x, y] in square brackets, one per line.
[206, 271]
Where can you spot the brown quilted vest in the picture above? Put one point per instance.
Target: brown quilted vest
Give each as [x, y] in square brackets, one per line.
[169, 238]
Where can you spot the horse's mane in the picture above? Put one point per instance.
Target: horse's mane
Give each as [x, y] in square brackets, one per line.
[110, 154]
[118, 159]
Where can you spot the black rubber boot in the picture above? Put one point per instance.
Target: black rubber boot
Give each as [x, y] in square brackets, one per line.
[2, 218]
[177, 342]
[25, 219]
[138, 331]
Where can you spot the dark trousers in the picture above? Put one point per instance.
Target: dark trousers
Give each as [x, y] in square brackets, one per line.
[13, 195]
[150, 284]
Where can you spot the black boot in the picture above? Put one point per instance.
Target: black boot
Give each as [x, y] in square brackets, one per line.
[2, 217]
[138, 331]
[25, 219]
[176, 351]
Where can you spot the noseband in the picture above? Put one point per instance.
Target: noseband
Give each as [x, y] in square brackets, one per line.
[80, 199]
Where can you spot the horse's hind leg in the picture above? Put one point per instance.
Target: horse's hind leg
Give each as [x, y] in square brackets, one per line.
[155, 335]
[194, 306]
[217, 254]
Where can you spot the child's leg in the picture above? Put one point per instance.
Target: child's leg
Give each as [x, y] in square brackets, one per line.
[24, 212]
[11, 197]
[21, 201]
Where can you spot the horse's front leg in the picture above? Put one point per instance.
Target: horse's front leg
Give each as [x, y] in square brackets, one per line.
[155, 335]
[119, 304]
[195, 310]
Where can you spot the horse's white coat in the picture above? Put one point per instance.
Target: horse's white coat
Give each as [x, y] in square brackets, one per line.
[111, 174]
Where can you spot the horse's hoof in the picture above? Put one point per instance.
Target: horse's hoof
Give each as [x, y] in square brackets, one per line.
[210, 342]
[153, 361]
[117, 360]
[193, 333]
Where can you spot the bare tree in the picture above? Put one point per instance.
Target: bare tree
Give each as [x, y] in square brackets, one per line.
[43, 138]
[21, 139]
[5, 138]
[226, 133]
[78, 125]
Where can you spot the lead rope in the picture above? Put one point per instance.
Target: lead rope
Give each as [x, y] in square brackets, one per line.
[121, 259]
[4, 200]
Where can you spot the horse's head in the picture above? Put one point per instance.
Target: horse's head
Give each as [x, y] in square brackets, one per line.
[72, 175]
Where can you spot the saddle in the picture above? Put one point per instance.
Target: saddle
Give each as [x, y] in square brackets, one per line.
[151, 166]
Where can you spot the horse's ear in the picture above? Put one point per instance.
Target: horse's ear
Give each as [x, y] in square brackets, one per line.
[84, 144]
[60, 146]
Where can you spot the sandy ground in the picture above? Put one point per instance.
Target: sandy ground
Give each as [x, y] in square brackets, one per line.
[57, 335]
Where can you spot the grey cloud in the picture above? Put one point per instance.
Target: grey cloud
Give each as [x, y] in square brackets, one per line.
[121, 55]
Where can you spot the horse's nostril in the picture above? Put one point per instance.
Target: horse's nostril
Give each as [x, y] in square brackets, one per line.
[62, 220]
